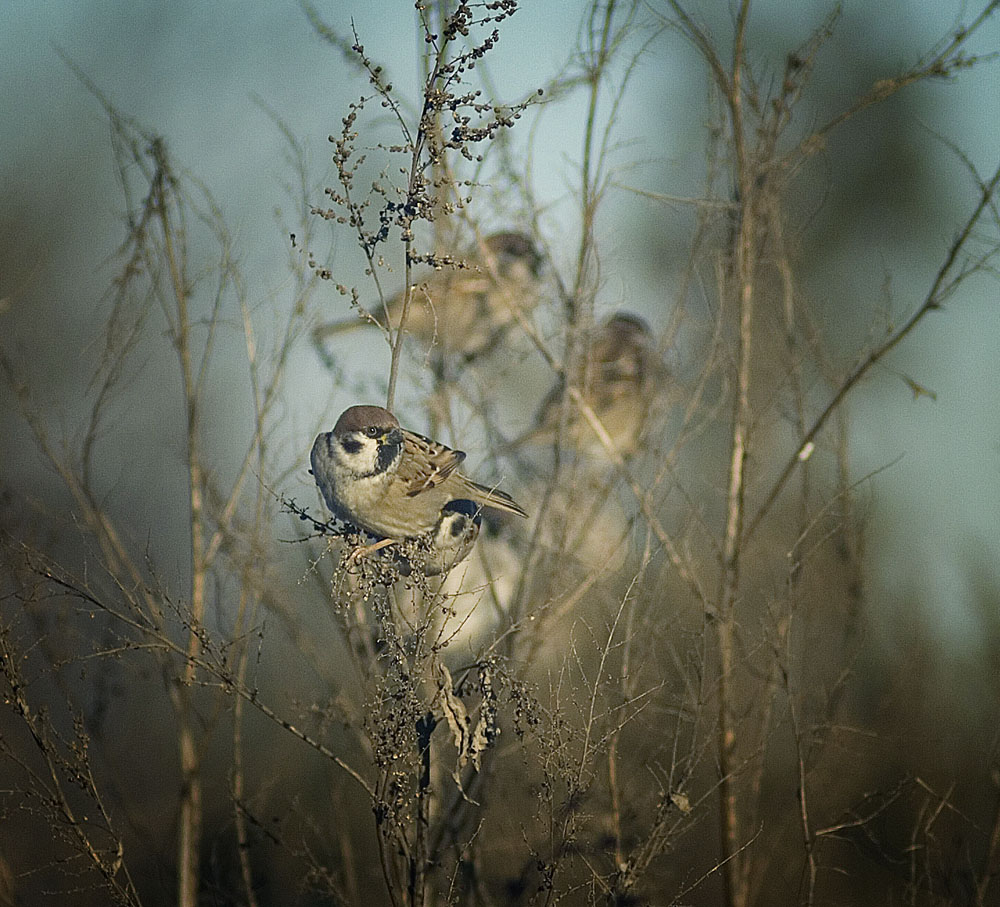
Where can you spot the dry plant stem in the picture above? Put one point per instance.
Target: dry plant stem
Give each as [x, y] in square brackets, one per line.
[251, 697]
[808, 840]
[734, 862]
[942, 64]
[945, 283]
[396, 338]
[991, 862]
[442, 173]
[559, 843]
[238, 772]
[735, 872]
[593, 179]
[263, 397]
[191, 817]
[120, 563]
[163, 196]
[777, 671]
[416, 165]
[759, 216]
[578, 302]
[641, 495]
[590, 195]
[159, 641]
[627, 685]
[75, 766]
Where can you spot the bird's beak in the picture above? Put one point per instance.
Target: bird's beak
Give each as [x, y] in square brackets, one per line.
[393, 437]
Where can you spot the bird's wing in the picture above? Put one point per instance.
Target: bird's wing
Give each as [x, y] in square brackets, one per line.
[426, 463]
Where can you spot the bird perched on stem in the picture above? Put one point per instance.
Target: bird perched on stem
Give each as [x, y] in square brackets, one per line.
[465, 308]
[391, 482]
[453, 538]
[618, 379]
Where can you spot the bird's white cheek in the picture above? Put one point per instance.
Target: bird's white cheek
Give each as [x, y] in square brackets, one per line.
[360, 462]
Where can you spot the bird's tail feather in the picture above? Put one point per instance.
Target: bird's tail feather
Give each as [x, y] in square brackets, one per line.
[322, 331]
[500, 500]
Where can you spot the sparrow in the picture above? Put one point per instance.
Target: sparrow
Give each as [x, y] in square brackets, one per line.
[471, 603]
[463, 310]
[394, 483]
[620, 375]
[448, 544]
[454, 537]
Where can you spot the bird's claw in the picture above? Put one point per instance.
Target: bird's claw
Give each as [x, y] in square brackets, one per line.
[365, 550]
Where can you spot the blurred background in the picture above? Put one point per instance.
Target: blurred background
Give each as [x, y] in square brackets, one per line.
[871, 218]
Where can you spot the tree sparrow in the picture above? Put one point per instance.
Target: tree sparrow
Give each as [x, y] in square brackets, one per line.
[462, 309]
[449, 543]
[391, 482]
[621, 374]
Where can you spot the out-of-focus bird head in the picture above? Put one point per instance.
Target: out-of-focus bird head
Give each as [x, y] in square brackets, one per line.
[624, 350]
[515, 255]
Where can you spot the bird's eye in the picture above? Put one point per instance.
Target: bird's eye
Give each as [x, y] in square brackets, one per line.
[372, 431]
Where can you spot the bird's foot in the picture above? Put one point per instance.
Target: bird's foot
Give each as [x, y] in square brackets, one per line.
[365, 550]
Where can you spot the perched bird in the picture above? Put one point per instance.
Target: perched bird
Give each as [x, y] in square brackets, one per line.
[621, 374]
[392, 482]
[454, 537]
[472, 601]
[437, 552]
[464, 310]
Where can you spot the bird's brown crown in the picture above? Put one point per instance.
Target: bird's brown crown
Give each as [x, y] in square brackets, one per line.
[628, 325]
[516, 246]
[358, 418]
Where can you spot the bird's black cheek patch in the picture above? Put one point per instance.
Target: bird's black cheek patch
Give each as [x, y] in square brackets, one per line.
[351, 445]
[387, 454]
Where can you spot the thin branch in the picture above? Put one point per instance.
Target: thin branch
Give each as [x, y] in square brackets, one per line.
[945, 283]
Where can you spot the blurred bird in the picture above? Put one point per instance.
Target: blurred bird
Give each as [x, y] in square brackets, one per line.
[392, 482]
[621, 375]
[462, 310]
